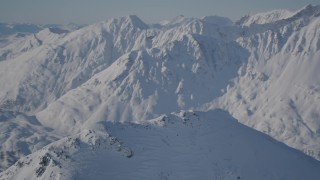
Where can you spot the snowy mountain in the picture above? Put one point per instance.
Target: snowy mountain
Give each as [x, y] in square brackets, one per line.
[277, 92]
[20, 136]
[185, 145]
[13, 28]
[21, 29]
[263, 70]
[265, 17]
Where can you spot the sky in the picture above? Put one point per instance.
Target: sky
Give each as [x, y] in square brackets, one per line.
[150, 11]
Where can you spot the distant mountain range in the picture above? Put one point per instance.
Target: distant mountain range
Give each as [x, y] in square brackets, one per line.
[7, 29]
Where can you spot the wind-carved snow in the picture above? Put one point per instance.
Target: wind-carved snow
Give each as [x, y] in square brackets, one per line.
[263, 71]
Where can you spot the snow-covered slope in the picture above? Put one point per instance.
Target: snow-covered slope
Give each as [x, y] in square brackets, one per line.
[20, 136]
[278, 91]
[264, 18]
[263, 65]
[185, 145]
[263, 71]
[278, 15]
[146, 83]
[61, 62]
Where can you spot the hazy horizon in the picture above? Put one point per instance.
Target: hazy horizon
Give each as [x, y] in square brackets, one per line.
[150, 11]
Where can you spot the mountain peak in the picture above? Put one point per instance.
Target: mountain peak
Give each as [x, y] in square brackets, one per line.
[263, 72]
[135, 21]
[265, 17]
[119, 24]
[308, 10]
[217, 20]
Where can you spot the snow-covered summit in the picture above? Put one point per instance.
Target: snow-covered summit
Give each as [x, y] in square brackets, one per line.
[265, 75]
[308, 10]
[266, 17]
[281, 14]
[123, 23]
[217, 20]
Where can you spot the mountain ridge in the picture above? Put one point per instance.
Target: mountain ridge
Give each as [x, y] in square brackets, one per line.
[135, 151]
[121, 69]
